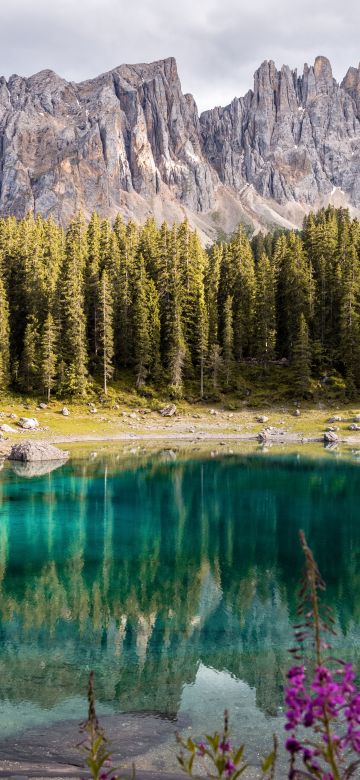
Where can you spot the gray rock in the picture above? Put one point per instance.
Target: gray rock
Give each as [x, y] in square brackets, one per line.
[168, 411]
[12, 416]
[297, 413]
[354, 427]
[65, 412]
[7, 429]
[262, 418]
[42, 405]
[356, 418]
[334, 419]
[29, 451]
[262, 436]
[331, 437]
[28, 423]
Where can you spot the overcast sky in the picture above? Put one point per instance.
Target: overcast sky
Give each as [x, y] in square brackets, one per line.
[217, 43]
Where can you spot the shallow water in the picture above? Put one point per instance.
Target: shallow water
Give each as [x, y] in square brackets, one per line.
[172, 578]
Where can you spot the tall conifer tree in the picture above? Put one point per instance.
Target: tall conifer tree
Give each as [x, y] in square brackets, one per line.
[104, 307]
[73, 322]
[48, 353]
[4, 337]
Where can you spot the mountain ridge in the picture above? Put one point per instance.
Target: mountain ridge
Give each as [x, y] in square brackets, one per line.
[131, 141]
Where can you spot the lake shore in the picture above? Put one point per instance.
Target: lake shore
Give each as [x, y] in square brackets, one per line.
[190, 424]
[146, 741]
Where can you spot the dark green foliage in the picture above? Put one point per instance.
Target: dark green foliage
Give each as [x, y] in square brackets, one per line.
[4, 336]
[264, 325]
[228, 339]
[72, 310]
[105, 329]
[48, 356]
[94, 300]
[302, 358]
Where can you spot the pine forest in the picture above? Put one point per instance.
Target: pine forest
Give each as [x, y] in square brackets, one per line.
[96, 302]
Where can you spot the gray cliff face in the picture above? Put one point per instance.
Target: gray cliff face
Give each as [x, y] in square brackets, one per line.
[294, 138]
[67, 146]
[130, 140]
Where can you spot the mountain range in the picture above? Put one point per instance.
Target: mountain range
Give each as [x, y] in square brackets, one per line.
[130, 141]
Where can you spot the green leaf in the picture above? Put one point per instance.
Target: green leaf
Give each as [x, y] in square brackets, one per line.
[239, 772]
[268, 762]
[238, 755]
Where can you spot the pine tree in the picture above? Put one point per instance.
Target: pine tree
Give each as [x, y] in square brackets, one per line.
[72, 315]
[4, 337]
[264, 329]
[243, 294]
[154, 330]
[228, 340]
[177, 353]
[29, 363]
[301, 361]
[212, 282]
[295, 291]
[349, 341]
[201, 328]
[149, 248]
[216, 365]
[92, 275]
[141, 323]
[192, 261]
[48, 353]
[104, 307]
[127, 239]
[173, 347]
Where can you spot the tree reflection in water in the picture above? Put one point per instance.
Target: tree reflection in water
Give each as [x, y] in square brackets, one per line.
[152, 571]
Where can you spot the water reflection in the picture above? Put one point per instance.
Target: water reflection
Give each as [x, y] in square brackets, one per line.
[154, 571]
[35, 468]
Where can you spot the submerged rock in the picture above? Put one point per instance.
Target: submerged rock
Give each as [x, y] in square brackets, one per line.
[30, 451]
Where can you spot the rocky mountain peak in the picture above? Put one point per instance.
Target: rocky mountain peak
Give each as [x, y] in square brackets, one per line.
[323, 71]
[351, 85]
[129, 140]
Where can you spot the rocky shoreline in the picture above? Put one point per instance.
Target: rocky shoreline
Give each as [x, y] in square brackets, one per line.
[144, 740]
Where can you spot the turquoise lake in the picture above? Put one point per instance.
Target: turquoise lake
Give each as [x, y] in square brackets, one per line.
[173, 578]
